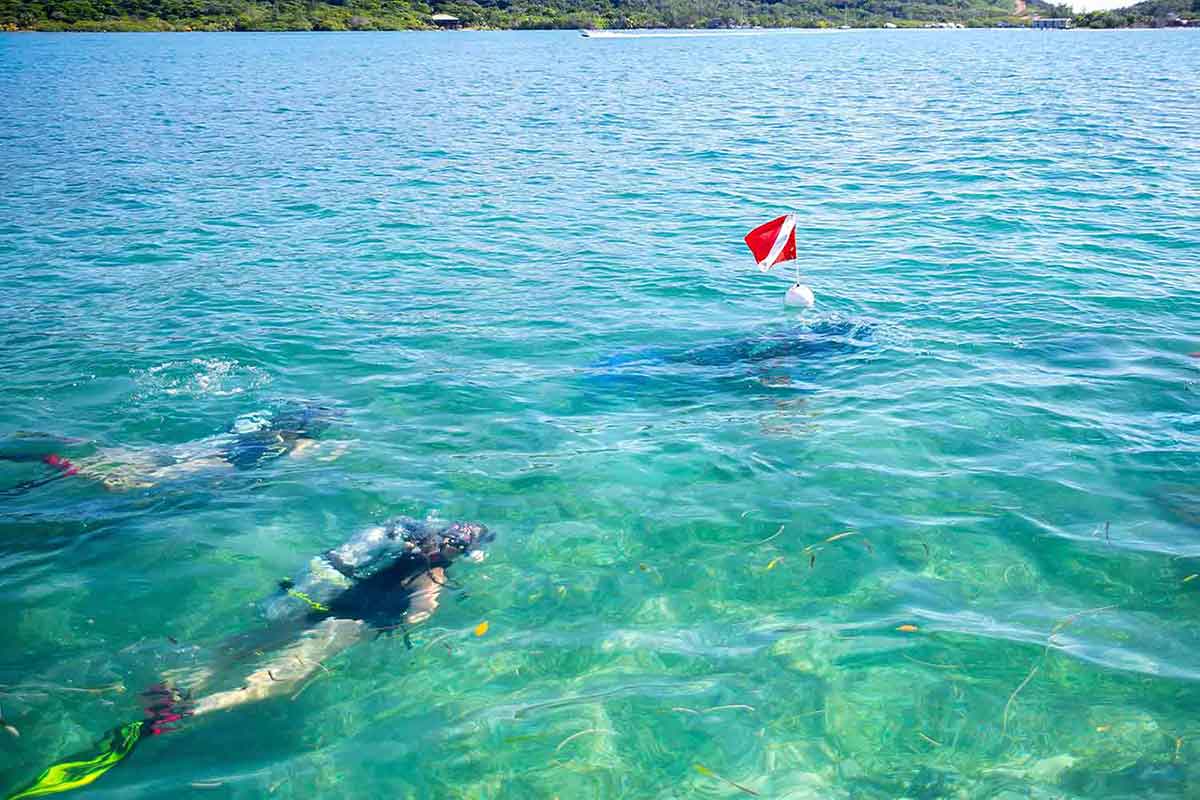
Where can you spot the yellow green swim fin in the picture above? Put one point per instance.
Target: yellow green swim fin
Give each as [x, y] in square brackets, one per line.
[80, 770]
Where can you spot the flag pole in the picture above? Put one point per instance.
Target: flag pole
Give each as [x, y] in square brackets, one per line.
[797, 264]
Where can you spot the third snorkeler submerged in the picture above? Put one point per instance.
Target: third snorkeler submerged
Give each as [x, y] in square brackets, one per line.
[286, 429]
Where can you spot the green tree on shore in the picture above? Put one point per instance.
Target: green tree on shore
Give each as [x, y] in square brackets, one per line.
[346, 15]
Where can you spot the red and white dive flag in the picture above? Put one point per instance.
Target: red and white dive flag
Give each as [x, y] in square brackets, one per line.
[774, 242]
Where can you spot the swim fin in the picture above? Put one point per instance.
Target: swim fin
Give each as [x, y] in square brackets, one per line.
[79, 770]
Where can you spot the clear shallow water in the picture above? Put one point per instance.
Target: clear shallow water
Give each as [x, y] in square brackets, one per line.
[444, 235]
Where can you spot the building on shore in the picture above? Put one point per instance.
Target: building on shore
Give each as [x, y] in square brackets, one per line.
[446, 21]
[1050, 22]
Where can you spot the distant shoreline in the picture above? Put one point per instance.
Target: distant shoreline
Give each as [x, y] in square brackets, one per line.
[623, 32]
[596, 18]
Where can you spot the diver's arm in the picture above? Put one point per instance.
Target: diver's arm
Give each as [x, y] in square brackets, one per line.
[287, 670]
[423, 594]
[301, 447]
[321, 450]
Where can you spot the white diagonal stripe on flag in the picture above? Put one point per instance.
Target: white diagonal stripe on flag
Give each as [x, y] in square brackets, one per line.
[781, 240]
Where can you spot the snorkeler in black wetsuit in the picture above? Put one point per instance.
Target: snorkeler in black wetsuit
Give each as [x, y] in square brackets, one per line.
[287, 429]
[385, 577]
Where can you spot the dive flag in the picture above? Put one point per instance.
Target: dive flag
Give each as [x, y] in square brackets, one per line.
[774, 242]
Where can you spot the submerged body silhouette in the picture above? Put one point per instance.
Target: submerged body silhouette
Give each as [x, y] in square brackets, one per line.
[287, 429]
[794, 350]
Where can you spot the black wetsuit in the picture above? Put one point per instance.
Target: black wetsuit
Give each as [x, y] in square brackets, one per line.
[370, 577]
[278, 437]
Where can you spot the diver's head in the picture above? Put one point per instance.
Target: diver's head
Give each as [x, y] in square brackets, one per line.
[437, 543]
[464, 538]
[304, 420]
[288, 419]
[265, 435]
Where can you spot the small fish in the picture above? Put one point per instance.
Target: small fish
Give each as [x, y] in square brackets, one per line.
[481, 628]
[9, 729]
[774, 562]
[1191, 577]
[906, 628]
[708, 773]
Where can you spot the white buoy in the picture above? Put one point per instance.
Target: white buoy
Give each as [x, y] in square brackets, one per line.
[799, 296]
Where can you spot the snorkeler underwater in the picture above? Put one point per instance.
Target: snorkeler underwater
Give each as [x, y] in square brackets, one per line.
[798, 342]
[792, 353]
[833, 394]
[387, 577]
[283, 428]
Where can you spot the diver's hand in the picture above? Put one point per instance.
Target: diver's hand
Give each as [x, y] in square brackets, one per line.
[321, 451]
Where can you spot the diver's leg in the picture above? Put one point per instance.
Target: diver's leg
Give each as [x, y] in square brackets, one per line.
[127, 468]
[122, 468]
[185, 468]
[117, 468]
[290, 667]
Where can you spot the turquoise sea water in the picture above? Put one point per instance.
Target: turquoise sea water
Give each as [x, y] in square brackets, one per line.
[449, 237]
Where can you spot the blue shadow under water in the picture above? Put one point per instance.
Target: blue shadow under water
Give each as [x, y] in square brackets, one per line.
[793, 355]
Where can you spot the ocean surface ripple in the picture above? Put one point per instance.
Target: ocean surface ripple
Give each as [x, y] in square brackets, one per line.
[953, 554]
